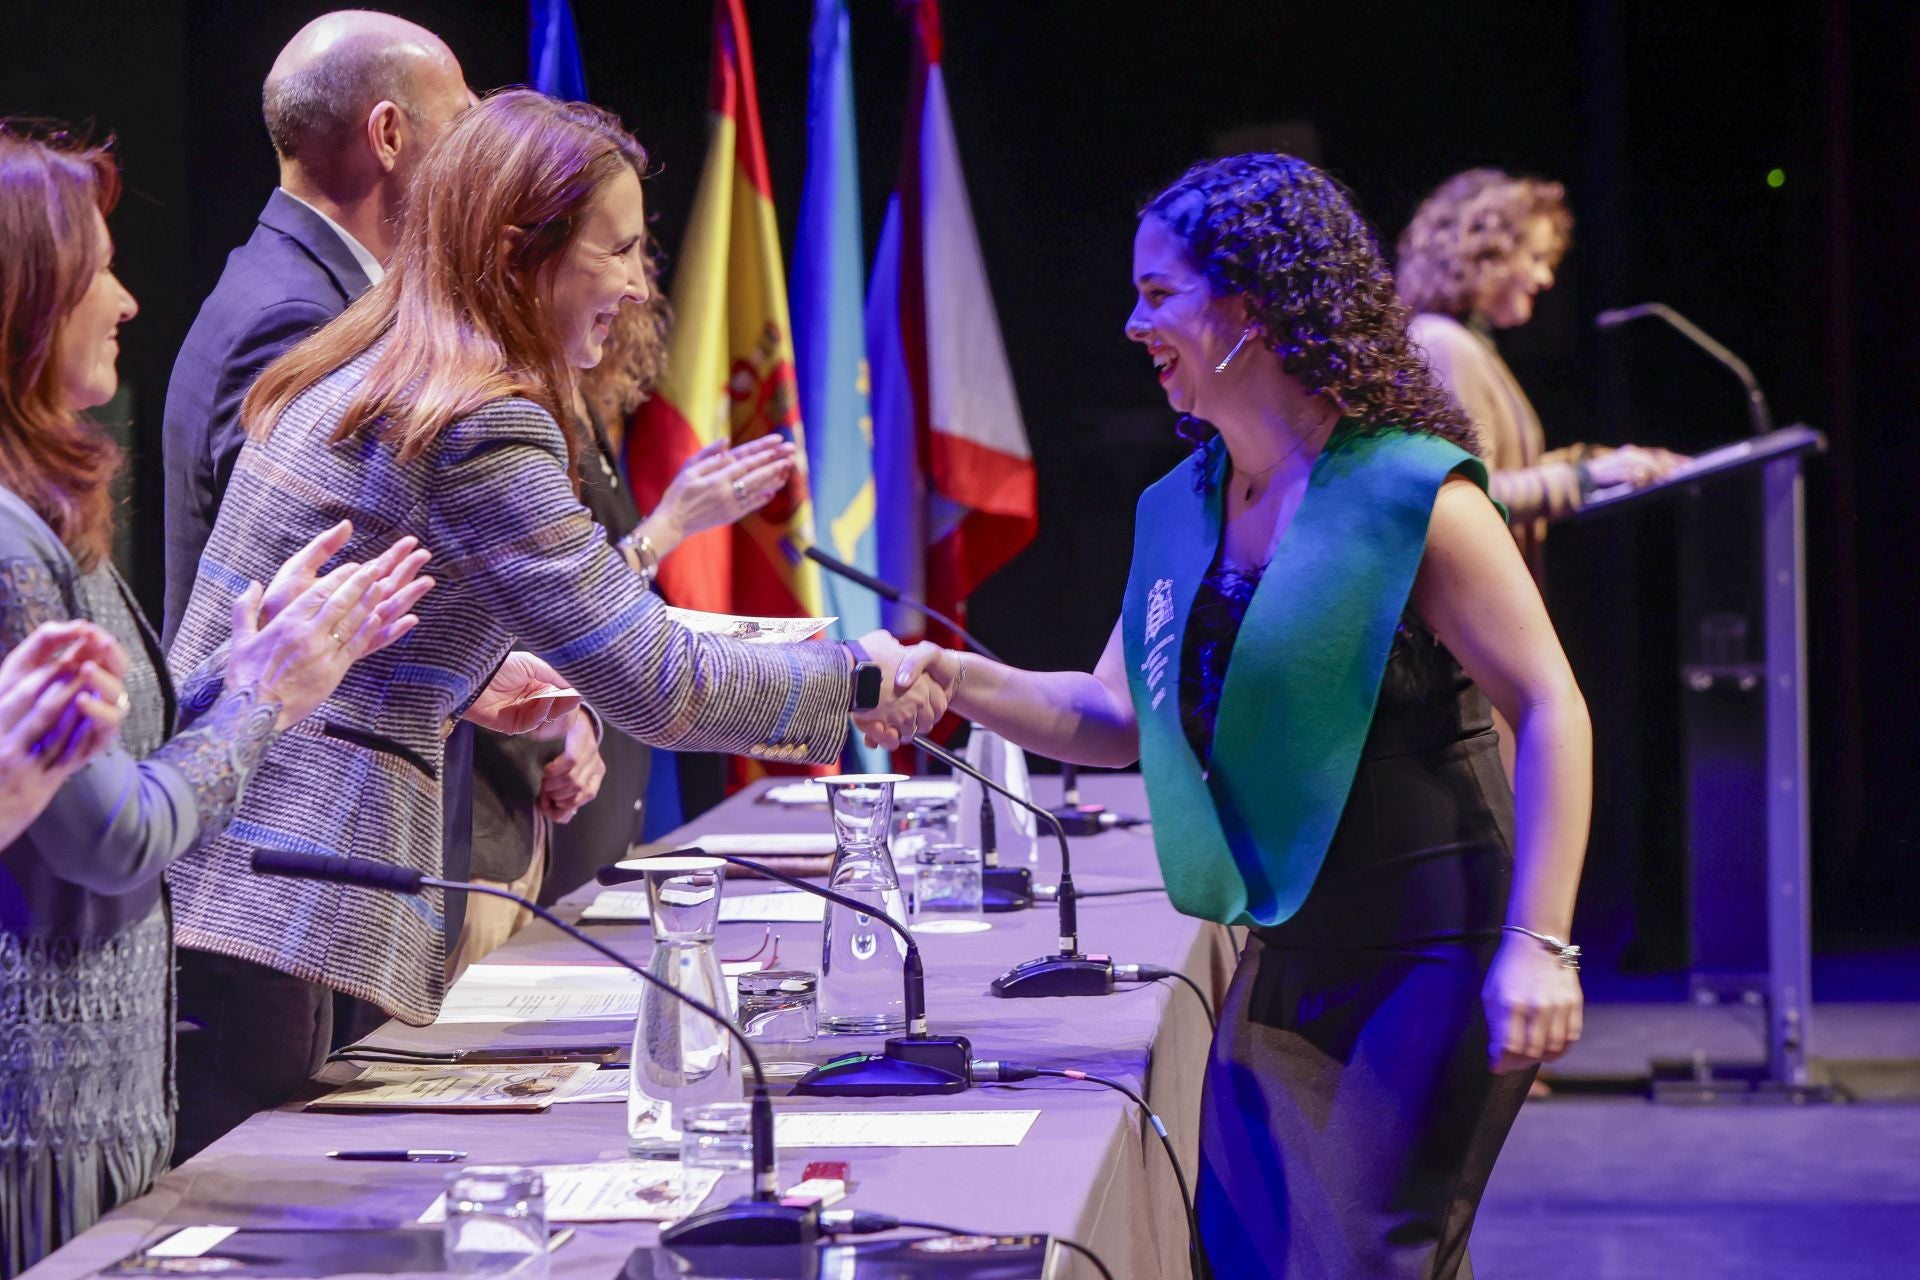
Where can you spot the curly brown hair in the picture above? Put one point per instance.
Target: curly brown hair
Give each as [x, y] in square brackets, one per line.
[1287, 236]
[1466, 234]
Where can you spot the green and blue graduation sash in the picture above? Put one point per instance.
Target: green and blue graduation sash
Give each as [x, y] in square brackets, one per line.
[1242, 840]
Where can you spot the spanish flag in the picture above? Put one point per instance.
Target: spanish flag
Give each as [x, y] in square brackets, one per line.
[730, 372]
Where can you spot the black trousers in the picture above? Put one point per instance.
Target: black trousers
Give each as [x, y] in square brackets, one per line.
[250, 1039]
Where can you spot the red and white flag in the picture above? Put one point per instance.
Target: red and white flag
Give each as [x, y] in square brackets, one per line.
[952, 470]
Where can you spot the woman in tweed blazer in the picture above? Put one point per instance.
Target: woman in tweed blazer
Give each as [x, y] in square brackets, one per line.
[431, 405]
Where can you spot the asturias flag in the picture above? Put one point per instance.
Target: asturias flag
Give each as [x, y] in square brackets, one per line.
[829, 338]
[730, 369]
[554, 57]
[951, 463]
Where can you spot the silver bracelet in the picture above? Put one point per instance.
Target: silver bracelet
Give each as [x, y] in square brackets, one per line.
[642, 547]
[1565, 952]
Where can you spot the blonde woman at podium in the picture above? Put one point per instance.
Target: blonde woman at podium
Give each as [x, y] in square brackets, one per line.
[1478, 252]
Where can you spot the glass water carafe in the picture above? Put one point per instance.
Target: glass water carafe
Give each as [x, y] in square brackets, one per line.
[862, 960]
[681, 1057]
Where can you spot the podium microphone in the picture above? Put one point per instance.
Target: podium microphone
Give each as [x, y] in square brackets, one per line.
[1758, 415]
[911, 1065]
[757, 1220]
[1069, 973]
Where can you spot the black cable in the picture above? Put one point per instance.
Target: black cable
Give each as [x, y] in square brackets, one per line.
[1160, 973]
[1085, 1252]
[1010, 1072]
[1116, 893]
[860, 1223]
[1201, 996]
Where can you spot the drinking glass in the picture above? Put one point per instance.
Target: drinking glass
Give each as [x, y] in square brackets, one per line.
[496, 1223]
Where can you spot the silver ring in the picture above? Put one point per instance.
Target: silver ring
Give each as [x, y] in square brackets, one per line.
[740, 491]
[336, 637]
[124, 703]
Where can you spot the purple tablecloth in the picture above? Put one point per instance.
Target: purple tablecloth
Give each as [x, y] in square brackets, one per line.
[1089, 1169]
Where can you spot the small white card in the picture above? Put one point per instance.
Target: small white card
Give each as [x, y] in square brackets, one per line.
[614, 1191]
[190, 1242]
[902, 1128]
[774, 908]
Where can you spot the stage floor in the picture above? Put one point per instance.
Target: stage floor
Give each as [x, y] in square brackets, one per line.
[1598, 1183]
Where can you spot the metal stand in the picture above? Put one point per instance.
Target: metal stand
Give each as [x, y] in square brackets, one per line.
[1728, 776]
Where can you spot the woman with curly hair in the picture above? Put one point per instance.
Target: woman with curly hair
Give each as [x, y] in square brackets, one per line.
[1321, 606]
[1477, 253]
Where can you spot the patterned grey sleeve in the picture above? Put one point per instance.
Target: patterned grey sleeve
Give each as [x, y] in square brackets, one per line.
[220, 753]
[29, 596]
[200, 688]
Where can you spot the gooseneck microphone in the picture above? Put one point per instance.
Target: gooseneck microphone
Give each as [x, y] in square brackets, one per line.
[894, 595]
[1758, 415]
[913, 1064]
[1069, 973]
[759, 1219]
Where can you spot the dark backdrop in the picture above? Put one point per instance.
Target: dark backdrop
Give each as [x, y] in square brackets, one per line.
[1663, 120]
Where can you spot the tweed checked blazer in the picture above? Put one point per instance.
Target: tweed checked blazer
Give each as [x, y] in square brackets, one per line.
[518, 561]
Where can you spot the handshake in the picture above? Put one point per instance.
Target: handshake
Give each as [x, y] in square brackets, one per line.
[916, 686]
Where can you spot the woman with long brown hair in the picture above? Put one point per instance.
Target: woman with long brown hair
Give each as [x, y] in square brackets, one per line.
[86, 1013]
[437, 398]
[1321, 606]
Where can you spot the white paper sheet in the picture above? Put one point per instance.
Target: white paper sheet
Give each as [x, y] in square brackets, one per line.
[469, 1087]
[902, 1128]
[550, 993]
[761, 844]
[752, 630]
[777, 908]
[912, 789]
[614, 1191]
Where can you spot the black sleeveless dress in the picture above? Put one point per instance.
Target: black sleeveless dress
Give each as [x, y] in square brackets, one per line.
[1349, 1120]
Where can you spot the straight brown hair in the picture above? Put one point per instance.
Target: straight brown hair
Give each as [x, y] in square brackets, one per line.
[492, 208]
[54, 460]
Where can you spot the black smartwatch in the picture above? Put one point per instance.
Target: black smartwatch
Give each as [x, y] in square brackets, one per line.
[866, 685]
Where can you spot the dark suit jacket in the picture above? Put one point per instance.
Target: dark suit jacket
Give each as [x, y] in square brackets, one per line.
[290, 277]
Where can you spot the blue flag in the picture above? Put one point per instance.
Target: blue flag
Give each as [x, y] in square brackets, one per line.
[829, 332]
[553, 57]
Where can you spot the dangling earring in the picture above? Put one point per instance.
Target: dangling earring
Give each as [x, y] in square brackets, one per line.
[1222, 366]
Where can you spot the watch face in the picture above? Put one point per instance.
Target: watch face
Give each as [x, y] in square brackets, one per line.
[866, 686]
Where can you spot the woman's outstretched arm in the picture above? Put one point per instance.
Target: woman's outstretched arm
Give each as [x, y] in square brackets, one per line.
[1083, 717]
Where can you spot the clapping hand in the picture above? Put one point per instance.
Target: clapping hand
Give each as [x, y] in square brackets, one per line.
[915, 687]
[61, 704]
[524, 695]
[718, 485]
[299, 655]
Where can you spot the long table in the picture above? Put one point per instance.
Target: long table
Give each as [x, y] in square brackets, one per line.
[1089, 1169]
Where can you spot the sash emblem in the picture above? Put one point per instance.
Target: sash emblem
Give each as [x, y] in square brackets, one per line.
[1159, 614]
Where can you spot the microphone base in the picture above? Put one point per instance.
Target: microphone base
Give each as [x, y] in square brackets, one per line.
[1005, 889]
[1056, 976]
[754, 1222]
[911, 1066]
